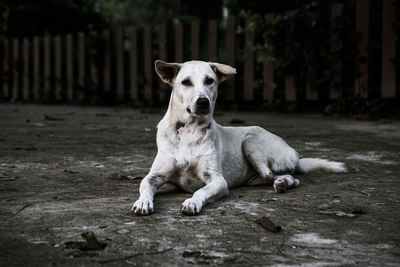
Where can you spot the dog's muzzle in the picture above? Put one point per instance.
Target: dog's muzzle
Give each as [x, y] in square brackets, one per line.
[202, 106]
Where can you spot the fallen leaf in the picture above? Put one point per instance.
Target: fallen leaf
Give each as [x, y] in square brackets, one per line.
[91, 242]
[268, 225]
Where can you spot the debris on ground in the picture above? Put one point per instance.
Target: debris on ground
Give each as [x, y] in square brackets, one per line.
[91, 243]
[348, 212]
[52, 118]
[117, 176]
[268, 225]
[71, 172]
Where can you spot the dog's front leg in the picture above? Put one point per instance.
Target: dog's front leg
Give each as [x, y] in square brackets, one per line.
[157, 176]
[215, 188]
[148, 188]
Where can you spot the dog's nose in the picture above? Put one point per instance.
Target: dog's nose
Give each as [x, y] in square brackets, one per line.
[202, 104]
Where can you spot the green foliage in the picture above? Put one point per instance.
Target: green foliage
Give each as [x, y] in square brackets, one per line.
[22, 18]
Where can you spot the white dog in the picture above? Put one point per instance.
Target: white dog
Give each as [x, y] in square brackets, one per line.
[204, 158]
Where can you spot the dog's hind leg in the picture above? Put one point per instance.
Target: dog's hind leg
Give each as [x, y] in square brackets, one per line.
[266, 163]
[284, 182]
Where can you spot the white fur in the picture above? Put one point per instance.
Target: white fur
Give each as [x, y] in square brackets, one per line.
[202, 157]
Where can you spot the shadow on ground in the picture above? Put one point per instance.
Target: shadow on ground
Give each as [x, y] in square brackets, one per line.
[56, 161]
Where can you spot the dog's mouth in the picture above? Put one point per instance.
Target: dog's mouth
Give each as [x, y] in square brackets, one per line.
[198, 112]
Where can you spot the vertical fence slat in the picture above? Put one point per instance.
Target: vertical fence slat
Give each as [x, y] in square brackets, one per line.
[81, 60]
[25, 56]
[290, 80]
[268, 73]
[195, 39]
[36, 66]
[57, 65]
[107, 67]
[290, 88]
[148, 65]
[311, 90]
[46, 71]
[388, 87]
[230, 56]
[69, 67]
[212, 40]
[133, 55]
[178, 42]
[336, 46]
[162, 39]
[120, 64]
[15, 60]
[248, 64]
[6, 68]
[362, 21]
[94, 75]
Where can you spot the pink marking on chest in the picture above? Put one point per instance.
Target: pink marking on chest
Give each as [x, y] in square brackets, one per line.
[184, 129]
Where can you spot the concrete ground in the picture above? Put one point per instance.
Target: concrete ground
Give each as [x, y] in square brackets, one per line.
[55, 166]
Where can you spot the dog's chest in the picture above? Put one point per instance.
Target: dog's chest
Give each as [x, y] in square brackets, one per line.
[192, 148]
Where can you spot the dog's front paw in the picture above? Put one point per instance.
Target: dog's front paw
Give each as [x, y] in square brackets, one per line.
[142, 207]
[191, 207]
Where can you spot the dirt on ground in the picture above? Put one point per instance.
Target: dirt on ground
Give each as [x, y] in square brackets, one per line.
[69, 175]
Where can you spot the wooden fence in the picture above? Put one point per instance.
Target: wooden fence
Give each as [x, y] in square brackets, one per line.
[119, 64]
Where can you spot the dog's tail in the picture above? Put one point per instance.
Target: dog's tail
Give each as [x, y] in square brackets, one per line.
[311, 164]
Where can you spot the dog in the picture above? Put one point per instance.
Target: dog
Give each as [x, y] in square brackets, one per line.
[206, 159]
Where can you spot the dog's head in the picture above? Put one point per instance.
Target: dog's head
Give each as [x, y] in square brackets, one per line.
[195, 83]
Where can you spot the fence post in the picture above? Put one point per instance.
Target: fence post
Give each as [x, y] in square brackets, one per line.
[195, 39]
[94, 75]
[268, 91]
[162, 39]
[15, 60]
[230, 56]
[69, 67]
[148, 65]
[133, 65]
[57, 63]
[119, 51]
[107, 67]
[81, 61]
[248, 64]
[36, 69]
[336, 85]
[388, 87]
[25, 55]
[6, 68]
[362, 20]
[46, 71]
[178, 42]
[290, 80]
[311, 91]
[290, 88]
[212, 40]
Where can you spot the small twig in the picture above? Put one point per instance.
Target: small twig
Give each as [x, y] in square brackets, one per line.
[135, 255]
[362, 192]
[24, 207]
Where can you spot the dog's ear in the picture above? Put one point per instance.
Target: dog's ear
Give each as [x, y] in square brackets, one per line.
[167, 71]
[223, 71]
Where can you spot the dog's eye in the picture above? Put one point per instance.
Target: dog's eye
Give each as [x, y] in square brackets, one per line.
[187, 82]
[208, 81]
